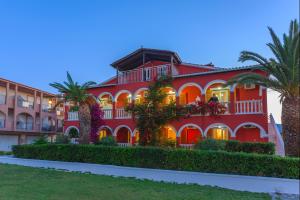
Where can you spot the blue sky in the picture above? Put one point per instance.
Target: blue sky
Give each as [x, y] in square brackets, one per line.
[41, 40]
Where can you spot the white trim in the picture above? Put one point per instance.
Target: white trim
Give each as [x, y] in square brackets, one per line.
[186, 125]
[119, 127]
[134, 132]
[213, 82]
[105, 93]
[121, 92]
[69, 128]
[232, 88]
[263, 133]
[190, 84]
[261, 88]
[216, 125]
[105, 126]
[138, 91]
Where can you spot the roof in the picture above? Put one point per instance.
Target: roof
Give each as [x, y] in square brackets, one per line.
[26, 86]
[144, 55]
[219, 70]
[216, 70]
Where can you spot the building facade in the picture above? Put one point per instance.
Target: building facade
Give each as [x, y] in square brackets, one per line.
[245, 118]
[26, 113]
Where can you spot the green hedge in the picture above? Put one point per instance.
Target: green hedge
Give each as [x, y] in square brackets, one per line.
[250, 147]
[176, 159]
[236, 146]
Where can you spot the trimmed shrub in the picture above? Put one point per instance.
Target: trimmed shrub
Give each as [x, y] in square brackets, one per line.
[62, 139]
[166, 158]
[236, 146]
[107, 141]
[250, 147]
[41, 140]
[210, 144]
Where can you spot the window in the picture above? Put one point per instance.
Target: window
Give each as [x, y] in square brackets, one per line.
[221, 93]
[147, 74]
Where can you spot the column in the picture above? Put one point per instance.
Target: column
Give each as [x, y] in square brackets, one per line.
[41, 111]
[114, 110]
[15, 108]
[7, 94]
[231, 103]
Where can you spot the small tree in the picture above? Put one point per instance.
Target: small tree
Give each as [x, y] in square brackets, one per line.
[96, 122]
[152, 114]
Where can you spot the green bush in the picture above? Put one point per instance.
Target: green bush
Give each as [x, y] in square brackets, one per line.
[107, 141]
[62, 139]
[5, 153]
[41, 140]
[250, 147]
[210, 144]
[166, 158]
[236, 146]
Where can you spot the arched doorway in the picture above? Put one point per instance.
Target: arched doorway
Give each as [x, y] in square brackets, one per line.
[48, 124]
[104, 131]
[190, 134]
[168, 136]
[123, 98]
[250, 132]
[106, 104]
[218, 132]
[171, 95]
[189, 93]
[139, 95]
[123, 135]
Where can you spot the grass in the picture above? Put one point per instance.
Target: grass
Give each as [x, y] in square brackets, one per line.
[24, 183]
[5, 153]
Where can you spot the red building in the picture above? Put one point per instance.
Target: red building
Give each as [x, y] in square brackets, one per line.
[245, 119]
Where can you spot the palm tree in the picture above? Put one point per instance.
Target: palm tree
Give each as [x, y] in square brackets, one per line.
[77, 94]
[282, 76]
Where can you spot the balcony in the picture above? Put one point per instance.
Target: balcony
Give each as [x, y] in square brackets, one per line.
[143, 74]
[248, 107]
[73, 116]
[2, 99]
[25, 104]
[122, 114]
[107, 113]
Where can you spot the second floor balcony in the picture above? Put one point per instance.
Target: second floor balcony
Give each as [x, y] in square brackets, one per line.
[143, 74]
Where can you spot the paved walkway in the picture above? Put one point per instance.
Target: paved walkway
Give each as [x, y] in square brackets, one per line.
[234, 182]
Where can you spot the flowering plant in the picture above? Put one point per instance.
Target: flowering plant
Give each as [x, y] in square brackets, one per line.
[200, 107]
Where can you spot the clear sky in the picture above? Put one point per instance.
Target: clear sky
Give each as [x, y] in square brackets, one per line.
[41, 40]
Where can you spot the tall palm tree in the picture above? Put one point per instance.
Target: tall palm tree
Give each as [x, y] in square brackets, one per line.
[282, 76]
[77, 94]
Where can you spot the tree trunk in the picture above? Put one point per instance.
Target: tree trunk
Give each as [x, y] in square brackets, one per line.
[84, 123]
[291, 126]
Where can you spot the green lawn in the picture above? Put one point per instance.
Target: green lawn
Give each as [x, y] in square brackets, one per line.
[24, 183]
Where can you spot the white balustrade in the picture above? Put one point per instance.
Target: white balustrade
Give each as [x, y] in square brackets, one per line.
[108, 114]
[186, 146]
[143, 74]
[249, 107]
[122, 114]
[124, 144]
[73, 116]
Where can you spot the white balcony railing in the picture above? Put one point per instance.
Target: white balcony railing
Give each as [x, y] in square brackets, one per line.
[249, 107]
[122, 114]
[108, 113]
[73, 116]
[186, 146]
[143, 74]
[124, 144]
[2, 99]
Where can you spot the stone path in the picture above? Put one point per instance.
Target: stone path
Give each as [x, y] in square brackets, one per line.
[233, 182]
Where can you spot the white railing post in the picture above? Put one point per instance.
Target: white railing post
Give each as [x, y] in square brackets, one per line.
[73, 116]
[249, 107]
